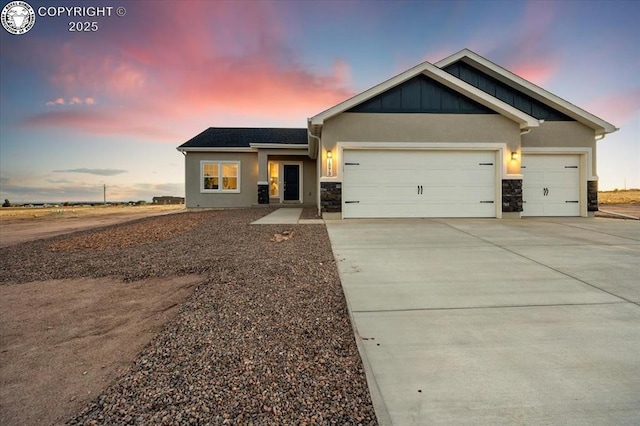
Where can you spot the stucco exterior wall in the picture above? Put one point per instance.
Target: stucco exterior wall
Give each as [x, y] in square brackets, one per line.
[566, 134]
[450, 128]
[248, 194]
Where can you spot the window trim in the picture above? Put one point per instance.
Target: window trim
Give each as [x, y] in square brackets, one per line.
[220, 177]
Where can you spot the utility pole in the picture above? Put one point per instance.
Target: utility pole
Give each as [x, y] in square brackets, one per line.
[104, 193]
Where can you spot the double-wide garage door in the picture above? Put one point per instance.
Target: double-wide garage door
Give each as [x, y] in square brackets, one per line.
[382, 184]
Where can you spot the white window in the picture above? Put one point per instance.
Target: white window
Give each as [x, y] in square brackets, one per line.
[220, 176]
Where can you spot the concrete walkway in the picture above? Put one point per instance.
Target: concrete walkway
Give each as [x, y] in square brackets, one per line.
[280, 216]
[463, 321]
[284, 216]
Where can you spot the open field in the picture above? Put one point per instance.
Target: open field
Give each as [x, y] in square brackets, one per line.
[621, 202]
[619, 197]
[56, 213]
[19, 224]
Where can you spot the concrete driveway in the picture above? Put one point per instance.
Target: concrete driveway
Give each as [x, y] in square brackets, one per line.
[465, 321]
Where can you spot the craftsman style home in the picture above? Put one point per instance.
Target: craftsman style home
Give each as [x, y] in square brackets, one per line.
[462, 137]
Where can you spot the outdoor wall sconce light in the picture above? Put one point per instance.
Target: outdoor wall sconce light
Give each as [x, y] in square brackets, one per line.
[514, 156]
[329, 163]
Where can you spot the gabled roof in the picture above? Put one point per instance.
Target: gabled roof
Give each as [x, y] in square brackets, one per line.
[600, 126]
[245, 137]
[526, 121]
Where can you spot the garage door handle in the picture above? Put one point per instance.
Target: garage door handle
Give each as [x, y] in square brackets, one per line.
[545, 191]
[572, 201]
[351, 164]
[570, 167]
[486, 202]
[485, 164]
[351, 202]
[419, 189]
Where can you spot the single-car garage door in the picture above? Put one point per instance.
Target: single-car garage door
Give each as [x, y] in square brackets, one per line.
[551, 185]
[380, 183]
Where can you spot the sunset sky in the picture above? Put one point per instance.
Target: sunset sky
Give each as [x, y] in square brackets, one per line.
[80, 110]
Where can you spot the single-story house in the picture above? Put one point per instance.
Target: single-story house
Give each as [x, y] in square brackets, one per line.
[462, 137]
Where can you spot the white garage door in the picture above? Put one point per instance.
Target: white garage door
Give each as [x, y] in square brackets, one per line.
[551, 185]
[419, 184]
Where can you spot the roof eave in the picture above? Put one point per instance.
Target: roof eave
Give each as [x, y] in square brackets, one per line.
[431, 71]
[216, 149]
[279, 145]
[599, 125]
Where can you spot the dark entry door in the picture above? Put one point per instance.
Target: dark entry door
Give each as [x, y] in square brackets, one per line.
[291, 182]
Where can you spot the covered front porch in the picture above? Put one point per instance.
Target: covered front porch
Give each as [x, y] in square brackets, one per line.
[286, 175]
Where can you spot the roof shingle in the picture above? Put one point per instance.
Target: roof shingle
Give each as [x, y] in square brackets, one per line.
[242, 137]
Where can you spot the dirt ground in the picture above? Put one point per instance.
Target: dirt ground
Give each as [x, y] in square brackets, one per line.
[98, 327]
[63, 341]
[85, 332]
[18, 225]
[630, 209]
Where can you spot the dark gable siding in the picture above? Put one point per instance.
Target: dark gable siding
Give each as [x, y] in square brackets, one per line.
[421, 95]
[507, 94]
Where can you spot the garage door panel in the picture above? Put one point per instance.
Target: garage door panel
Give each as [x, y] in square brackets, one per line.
[419, 184]
[407, 177]
[551, 185]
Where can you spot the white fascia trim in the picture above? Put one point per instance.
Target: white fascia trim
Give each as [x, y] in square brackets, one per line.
[280, 145]
[566, 150]
[599, 125]
[447, 146]
[230, 149]
[443, 77]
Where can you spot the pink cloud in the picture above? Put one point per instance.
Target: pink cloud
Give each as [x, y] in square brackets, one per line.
[526, 52]
[58, 101]
[238, 64]
[538, 72]
[100, 123]
[619, 107]
[74, 100]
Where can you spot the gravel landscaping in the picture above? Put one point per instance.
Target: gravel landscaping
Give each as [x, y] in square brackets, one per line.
[264, 339]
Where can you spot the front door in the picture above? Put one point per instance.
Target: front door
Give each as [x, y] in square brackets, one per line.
[291, 182]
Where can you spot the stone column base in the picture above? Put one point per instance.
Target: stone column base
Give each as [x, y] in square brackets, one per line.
[512, 195]
[263, 193]
[592, 195]
[331, 197]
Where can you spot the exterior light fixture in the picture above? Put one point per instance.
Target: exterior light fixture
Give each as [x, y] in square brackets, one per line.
[514, 156]
[329, 163]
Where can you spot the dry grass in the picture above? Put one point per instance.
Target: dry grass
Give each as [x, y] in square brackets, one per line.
[68, 212]
[626, 196]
